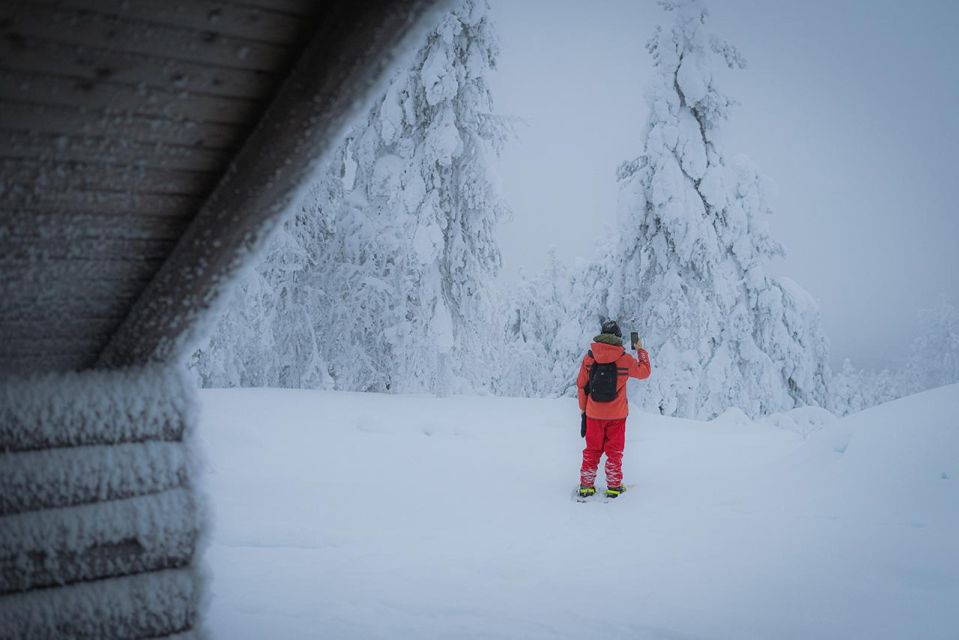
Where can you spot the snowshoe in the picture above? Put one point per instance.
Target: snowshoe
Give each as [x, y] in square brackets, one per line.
[583, 494]
[614, 492]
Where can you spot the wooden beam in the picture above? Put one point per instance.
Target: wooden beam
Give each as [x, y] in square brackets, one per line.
[70, 476]
[100, 63]
[342, 71]
[53, 312]
[73, 342]
[85, 28]
[123, 203]
[42, 176]
[99, 540]
[38, 88]
[66, 226]
[86, 249]
[35, 364]
[97, 408]
[291, 7]
[113, 150]
[149, 605]
[63, 120]
[261, 24]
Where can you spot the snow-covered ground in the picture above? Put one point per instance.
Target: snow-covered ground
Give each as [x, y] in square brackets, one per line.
[342, 515]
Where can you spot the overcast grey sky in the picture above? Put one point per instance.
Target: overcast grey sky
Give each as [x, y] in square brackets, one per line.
[849, 106]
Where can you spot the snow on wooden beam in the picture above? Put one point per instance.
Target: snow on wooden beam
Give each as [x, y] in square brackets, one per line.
[51, 547]
[51, 478]
[99, 520]
[144, 606]
[341, 71]
[90, 408]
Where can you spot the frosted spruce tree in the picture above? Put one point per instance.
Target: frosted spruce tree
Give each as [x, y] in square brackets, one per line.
[385, 271]
[690, 269]
[265, 337]
[426, 155]
[934, 353]
[542, 335]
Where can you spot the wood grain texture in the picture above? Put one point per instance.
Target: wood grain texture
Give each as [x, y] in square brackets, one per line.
[88, 249]
[99, 63]
[46, 147]
[74, 310]
[27, 197]
[263, 24]
[292, 7]
[54, 89]
[72, 26]
[69, 120]
[67, 225]
[28, 364]
[65, 178]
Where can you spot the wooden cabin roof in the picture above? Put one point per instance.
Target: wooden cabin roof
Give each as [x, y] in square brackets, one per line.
[118, 120]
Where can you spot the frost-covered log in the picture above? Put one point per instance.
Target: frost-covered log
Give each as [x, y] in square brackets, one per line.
[99, 540]
[59, 477]
[93, 407]
[99, 518]
[144, 606]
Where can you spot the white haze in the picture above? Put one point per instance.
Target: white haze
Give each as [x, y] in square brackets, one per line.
[848, 107]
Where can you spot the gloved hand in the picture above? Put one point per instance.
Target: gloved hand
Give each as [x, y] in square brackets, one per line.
[582, 428]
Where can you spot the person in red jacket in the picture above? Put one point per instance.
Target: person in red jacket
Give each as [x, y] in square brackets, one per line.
[602, 400]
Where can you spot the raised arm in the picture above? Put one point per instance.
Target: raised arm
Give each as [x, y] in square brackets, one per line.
[639, 366]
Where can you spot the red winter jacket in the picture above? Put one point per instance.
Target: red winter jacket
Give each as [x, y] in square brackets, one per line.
[628, 366]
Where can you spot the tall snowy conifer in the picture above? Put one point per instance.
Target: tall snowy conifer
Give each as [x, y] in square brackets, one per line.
[387, 266]
[690, 270]
[428, 152]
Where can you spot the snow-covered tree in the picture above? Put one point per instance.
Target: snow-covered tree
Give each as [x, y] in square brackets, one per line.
[933, 361]
[690, 271]
[543, 336]
[934, 354]
[852, 389]
[266, 337]
[381, 281]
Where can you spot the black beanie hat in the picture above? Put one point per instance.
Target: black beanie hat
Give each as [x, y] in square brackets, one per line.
[610, 326]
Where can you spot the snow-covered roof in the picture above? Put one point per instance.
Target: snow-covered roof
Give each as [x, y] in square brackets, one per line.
[141, 135]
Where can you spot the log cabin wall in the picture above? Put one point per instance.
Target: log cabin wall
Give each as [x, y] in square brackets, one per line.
[147, 148]
[99, 520]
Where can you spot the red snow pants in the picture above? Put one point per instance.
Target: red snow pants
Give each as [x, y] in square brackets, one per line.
[603, 436]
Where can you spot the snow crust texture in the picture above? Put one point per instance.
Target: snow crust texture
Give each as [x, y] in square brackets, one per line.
[99, 519]
[98, 407]
[401, 516]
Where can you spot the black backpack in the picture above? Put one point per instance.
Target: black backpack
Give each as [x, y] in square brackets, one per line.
[602, 380]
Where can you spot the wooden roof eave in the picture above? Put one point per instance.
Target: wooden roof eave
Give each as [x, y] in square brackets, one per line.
[341, 71]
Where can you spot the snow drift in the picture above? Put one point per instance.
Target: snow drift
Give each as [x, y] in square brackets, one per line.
[380, 516]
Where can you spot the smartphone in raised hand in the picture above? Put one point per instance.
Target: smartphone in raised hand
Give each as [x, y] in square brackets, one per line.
[634, 339]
